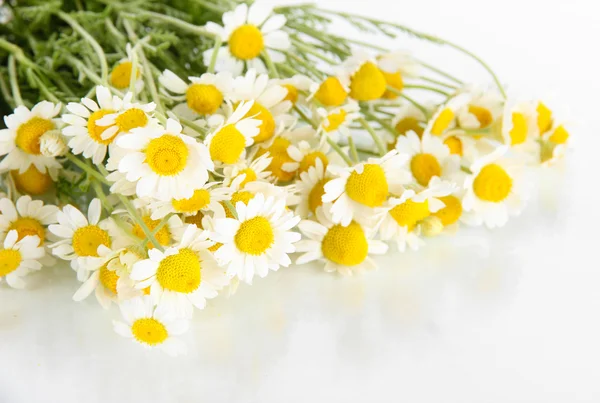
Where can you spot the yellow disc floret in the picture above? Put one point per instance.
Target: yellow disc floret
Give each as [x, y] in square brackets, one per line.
[451, 211]
[315, 197]
[310, 159]
[149, 331]
[131, 119]
[167, 155]
[267, 126]
[292, 93]
[120, 76]
[87, 239]
[424, 167]
[407, 124]
[28, 226]
[10, 260]
[331, 92]
[163, 236]
[246, 42]
[198, 201]
[32, 181]
[442, 122]
[96, 131]
[109, 278]
[454, 144]
[180, 272]
[368, 83]
[369, 187]
[250, 176]
[227, 145]
[483, 115]
[279, 157]
[255, 236]
[492, 184]
[334, 120]
[410, 213]
[204, 99]
[395, 81]
[347, 246]
[544, 118]
[518, 133]
[560, 135]
[195, 219]
[29, 133]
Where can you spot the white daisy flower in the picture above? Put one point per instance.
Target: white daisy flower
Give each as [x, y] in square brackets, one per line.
[555, 142]
[338, 120]
[183, 276]
[227, 143]
[19, 257]
[520, 130]
[357, 190]
[297, 87]
[396, 66]
[287, 193]
[428, 157]
[311, 188]
[127, 115]
[120, 76]
[206, 199]
[344, 249]
[495, 189]
[203, 96]
[270, 106]
[282, 166]
[306, 156]
[20, 141]
[246, 33]
[151, 326]
[238, 175]
[87, 137]
[409, 118]
[483, 109]
[164, 163]
[401, 219]
[32, 181]
[360, 72]
[258, 240]
[444, 118]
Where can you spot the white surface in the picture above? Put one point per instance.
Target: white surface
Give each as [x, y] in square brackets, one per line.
[446, 324]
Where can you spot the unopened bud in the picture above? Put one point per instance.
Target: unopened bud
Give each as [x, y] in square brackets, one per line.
[431, 226]
[52, 144]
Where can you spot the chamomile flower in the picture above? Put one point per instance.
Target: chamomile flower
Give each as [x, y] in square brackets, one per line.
[164, 163]
[270, 105]
[554, 143]
[445, 116]
[428, 157]
[401, 218]
[344, 249]
[483, 109]
[247, 32]
[32, 181]
[396, 66]
[126, 116]
[311, 188]
[163, 235]
[81, 237]
[544, 117]
[151, 326]
[227, 143]
[20, 141]
[357, 190]
[120, 75]
[87, 137]
[362, 75]
[238, 175]
[206, 199]
[494, 189]
[183, 276]
[409, 118]
[204, 95]
[258, 240]
[331, 92]
[296, 86]
[282, 166]
[520, 129]
[306, 155]
[338, 120]
[19, 257]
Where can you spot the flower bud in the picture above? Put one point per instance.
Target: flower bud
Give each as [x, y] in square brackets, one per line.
[431, 226]
[52, 144]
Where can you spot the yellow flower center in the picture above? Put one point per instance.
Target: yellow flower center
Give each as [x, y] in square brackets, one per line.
[316, 194]
[560, 135]
[167, 155]
[149, 331]
[96, 131]
[410, 213]
[255, 236]
[246, 42]
[10, 260]
[424, 167]
[331, 92]
[28, 226]
[369, 187]
[334, 120]
[120, 76]
[32, 181]
[180, 272]
[280, 156]
[310, 160]
[518, 133]
[250, 176]
[409, 124]
[544, 118]
[198, 201]
[131, 119]
[347, 246]
[395, 81]
[227, 145]
[195, 219]
[455, 145]
[243, 196]
[442, 122]
[29, 133]
[215, 247]
[163, 236]
[483, 115]
[204, 99]
[87, 239]
[109, 278]
[451, 211]
[267, 126]
[292, 93]
[368, 83]
[492, 184]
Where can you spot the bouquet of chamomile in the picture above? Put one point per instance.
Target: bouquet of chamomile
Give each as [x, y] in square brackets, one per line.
[167, 151]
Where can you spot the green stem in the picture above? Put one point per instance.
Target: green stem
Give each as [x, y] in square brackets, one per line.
[441, 83]
[409, 99]
[426, 88]
[272, 69]
[310, 67]
[440, 72]
[382, 123]
[100, 193]
[210, 6]
[305, 117]
[14, 83]
[380, 146]
[161, 224]
[213, 59]
[186, 26]
[6, 92]
[338, 150]
[47, 94]
[313, 52]
[138, 220]
[353, 151]
[84, 167]
[231, 208]
[201, 131]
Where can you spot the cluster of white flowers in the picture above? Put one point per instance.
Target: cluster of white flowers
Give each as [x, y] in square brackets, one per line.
[245, 173]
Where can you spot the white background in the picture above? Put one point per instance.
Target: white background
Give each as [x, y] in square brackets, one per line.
[451, 323]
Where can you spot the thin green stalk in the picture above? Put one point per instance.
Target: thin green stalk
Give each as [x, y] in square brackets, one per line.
[211, 6]
[409, 99]
[380, 146]
[86, 168]
[47, 94]
[161, 224]
[201, 131]
[6, 92]
[134, 73]
[443, 84]
[310, 67]
[272, 69]
[305, 117]
[139, 221]
[213, 59]
[381, 122]
[100, 193]
[186, 26]
[313, 52]
[353, 151]
[338, 150]
[14, 82]
[440, 72]
[231, 208]
[287, 69]
[426, 88]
